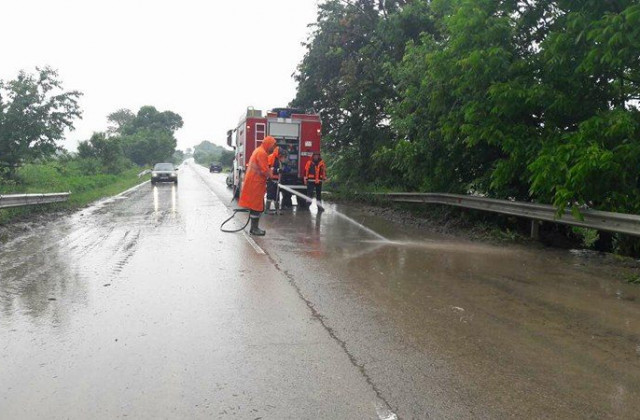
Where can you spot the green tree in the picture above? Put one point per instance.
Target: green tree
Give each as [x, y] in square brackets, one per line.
[446, 131]
[34, 113]
[148, 137]
[148, 146]
[519, 99]
[591, 62]
[119, 119]
[149, 118]
[105, 150]
[345, 76]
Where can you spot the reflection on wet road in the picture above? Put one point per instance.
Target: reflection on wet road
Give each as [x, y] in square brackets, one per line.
[140, 307]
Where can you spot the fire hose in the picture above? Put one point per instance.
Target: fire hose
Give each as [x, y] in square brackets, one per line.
[297, 193]
[235, 211]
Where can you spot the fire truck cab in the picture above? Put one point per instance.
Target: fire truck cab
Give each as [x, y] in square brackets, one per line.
[296, 131]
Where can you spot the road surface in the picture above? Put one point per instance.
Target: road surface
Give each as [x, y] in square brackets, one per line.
[139, 307]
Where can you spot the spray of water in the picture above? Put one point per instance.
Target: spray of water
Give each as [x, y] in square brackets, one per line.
[451, 247]
[337, 213]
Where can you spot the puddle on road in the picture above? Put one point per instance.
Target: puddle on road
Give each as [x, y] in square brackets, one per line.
[49, 273]
[542, 326]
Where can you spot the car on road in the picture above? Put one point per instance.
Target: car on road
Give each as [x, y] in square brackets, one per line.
[215, 167]
[164, 172]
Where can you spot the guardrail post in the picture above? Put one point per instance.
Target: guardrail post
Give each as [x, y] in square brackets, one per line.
[535, 230]
[604, 242]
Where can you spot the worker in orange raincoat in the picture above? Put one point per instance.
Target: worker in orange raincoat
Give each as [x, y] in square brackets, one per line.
[255, 183]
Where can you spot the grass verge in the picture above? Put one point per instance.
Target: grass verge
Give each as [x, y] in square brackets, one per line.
[54, 177]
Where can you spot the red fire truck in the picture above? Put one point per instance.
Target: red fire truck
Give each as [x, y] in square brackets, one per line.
[295, 130]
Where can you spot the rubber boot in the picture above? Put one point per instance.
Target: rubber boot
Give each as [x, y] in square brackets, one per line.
[255, 230]
[277, 206]
[319, 203]
[267, 206]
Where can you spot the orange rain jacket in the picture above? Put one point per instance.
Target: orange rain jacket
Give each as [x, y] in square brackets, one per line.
[255, 182]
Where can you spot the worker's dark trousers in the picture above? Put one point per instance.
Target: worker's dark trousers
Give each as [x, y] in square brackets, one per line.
[318, 189]
[286, 200]
[272, 191]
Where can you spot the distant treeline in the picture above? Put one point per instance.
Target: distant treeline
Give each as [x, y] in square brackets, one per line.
[207, 153]
[532, 100]
[144, 138]
[35, 113]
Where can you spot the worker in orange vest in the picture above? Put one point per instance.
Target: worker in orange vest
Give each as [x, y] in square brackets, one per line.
[315, 173]
[255, 183]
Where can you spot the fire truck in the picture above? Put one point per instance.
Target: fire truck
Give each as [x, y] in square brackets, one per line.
[297, 131]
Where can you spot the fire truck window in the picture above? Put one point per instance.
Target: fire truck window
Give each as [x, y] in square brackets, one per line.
[260, 132]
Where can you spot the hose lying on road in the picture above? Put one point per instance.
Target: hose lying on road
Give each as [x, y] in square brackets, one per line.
[235, 211]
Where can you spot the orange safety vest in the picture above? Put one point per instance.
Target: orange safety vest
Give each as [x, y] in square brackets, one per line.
[315, 171]
[255, 183]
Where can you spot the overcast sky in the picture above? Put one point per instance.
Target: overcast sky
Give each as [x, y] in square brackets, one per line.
[206, 60]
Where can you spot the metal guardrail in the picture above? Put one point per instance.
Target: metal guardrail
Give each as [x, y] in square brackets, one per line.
[601, 220]
[19, 200]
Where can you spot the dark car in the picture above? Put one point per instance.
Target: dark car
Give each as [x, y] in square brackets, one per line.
[215, 167]
[164, 172]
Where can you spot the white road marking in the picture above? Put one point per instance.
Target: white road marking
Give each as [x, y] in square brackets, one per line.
[253, 243]
[249, 239]
[384, 413]
[135, 187]
[107, 200]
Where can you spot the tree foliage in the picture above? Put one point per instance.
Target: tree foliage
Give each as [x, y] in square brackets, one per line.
[346, 76]
[148, 136]
[533, 100]
[105, 152]
[118, 119]
[143, 138]
[34, 114]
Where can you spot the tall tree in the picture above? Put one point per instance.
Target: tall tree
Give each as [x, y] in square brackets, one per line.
[34, 113]
[511, 98]
[149, 146]
[148, 137]
[149, 118]
[343, 76]
[119, 119]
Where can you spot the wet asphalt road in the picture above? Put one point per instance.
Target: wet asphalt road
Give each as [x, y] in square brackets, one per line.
[140, 307]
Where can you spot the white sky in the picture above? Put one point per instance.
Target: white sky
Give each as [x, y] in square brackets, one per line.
[205, 60]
